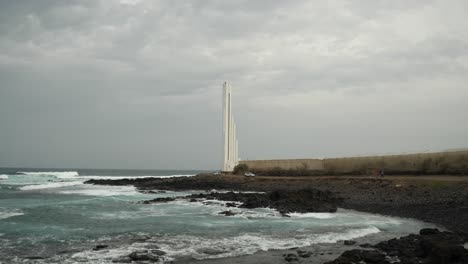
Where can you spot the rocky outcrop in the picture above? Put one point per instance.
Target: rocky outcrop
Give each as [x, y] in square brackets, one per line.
[100, 247]
[228, 213]
[285, 201]
[142, 256]
[429, 247]
[430, 199]
[160, 200]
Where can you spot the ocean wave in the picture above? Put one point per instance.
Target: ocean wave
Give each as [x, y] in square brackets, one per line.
[58, 174]
[51, 185]
[313, 215]
[8, 212]
[247, 244]
[102, 190]
[212, 248]
[3, 177]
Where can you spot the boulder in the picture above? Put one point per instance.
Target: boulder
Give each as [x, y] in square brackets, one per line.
[291, 257]
[360, 256]
[349, 242]
[430, 246]
[100, 247]
[228, 213]
[160, 200]
[143, 256]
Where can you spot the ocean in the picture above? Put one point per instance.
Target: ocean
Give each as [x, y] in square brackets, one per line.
[51, 216]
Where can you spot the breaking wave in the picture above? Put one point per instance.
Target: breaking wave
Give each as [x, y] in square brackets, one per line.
[58, 174]
[247, 244]
[7, 212]
[101, 190]
[212, 248]
[3, 177]
[51, 185]
[313, 215]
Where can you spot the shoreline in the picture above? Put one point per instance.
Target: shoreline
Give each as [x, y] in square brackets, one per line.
[442, 200]
[438, 200]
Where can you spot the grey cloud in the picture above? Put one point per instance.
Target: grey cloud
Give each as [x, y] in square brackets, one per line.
[137, 84]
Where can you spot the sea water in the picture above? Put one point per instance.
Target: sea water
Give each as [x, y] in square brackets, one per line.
[51, 216]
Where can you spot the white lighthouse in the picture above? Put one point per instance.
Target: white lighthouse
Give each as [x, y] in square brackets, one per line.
[229, 129]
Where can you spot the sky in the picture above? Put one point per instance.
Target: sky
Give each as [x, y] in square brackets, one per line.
[138, 83]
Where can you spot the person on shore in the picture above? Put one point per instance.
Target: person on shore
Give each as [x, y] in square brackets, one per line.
[382, 172]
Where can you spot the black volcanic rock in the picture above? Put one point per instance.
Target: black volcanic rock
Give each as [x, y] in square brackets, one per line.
[143, 256]
[429, 247]
[285, 201]
[100, 247]
[291, 257]
[160, 200]
[360, 256]
[227, 213]
[349, 242]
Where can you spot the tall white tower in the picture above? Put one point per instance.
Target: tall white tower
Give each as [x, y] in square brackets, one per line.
[229, 129]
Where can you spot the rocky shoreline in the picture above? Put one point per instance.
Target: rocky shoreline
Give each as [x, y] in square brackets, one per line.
[440, 200]
[284, 201]
[429, 246]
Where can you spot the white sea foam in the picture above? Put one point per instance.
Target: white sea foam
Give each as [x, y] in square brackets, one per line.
[8, 212]
[333, 237]
[313, 215]
[212, 248]
[51, 185]
[58, 174]
[249, 243]
[98, 190]
[3, 177]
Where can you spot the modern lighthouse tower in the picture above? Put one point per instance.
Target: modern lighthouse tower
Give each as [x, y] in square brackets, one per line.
[230, 140]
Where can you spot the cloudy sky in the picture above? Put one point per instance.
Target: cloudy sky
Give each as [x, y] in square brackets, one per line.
[137, 84]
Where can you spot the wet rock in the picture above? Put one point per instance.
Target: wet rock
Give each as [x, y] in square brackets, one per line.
[291, 257]
[349, 242]
[193, 200]
[228, 213]
[143, 256]
[304, 254]
[160, 200]
[366, 245]
[100, 247]
[122, 260]
[430, 246]
[210, 203]
[158, 252]
[35, 257]
[359, 256]
[210, 251]
[153, 192]
[231, 204]
[285, 215]
[429, 231]
[285, 201]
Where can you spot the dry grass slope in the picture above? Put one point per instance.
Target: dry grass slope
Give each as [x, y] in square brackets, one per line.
[442, 163]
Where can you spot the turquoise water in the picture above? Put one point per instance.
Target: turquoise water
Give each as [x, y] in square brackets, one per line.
[53, 215]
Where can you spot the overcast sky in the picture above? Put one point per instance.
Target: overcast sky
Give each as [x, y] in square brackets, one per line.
[137, 84]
